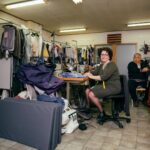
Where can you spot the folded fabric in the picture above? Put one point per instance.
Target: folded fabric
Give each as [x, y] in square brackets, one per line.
[41, 76]
[72, 75]
[54, 99]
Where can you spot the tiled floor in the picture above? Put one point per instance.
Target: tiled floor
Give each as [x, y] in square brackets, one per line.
[134, 136]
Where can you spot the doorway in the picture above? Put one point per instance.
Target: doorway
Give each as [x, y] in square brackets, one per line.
[124, 53]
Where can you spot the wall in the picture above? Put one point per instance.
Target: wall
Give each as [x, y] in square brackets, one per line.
[12, 18]
[134, 36]
[29, 24]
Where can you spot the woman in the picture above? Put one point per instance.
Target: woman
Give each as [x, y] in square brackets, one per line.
[107, 75]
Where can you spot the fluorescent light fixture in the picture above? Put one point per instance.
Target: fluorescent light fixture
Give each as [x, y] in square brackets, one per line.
[73, 30]
[25, 3]
[138, 24]
[77, 1]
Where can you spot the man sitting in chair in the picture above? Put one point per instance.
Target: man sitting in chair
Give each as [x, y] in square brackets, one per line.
[108, 81]
[137, 76]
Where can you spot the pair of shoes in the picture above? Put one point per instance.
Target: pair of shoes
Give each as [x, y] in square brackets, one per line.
[82, 126]
[101, 118]
[136, 103]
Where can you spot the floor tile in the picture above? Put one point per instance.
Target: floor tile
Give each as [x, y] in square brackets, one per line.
[143, 146]
[93, 145]
[3, 147]
[7, 143]
[109, 146]
[128, 143]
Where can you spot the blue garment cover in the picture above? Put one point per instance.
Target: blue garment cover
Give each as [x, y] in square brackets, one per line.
[72, 75]
[39, 75]
[53, 99]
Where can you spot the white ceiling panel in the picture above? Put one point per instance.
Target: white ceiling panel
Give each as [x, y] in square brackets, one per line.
[95, 15]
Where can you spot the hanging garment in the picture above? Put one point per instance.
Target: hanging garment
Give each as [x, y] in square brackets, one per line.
[45, 51]
[28, 51]
[35, 44]
[7, 40]
[70, 52]
[19, 51]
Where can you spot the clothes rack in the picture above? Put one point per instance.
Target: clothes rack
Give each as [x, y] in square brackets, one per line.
[65, 43]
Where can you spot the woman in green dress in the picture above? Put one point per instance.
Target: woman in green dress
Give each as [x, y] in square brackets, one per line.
[108, 81]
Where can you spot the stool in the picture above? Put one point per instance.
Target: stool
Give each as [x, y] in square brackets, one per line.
[140, 92]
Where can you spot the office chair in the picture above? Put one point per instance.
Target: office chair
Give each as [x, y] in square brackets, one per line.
[119, 102]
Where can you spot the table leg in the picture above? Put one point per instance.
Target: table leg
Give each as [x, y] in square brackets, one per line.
[68, 91]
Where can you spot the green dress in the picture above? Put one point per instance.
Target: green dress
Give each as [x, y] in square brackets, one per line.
[110, 76]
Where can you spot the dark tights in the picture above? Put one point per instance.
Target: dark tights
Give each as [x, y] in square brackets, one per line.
[92, 98]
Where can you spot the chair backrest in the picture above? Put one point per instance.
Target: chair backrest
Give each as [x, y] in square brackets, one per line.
[122, 98]
[122, 81]
[125, 93]
[124, 88]
[124, 85]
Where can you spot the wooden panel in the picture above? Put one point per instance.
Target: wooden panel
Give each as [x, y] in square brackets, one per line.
[114, 47]
[114, 38]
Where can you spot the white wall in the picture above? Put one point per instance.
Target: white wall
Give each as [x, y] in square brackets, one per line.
[11, 18]
[134, 36]
[29, 24]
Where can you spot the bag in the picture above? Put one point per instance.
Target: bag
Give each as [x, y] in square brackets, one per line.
[72, 122]
[5, 94]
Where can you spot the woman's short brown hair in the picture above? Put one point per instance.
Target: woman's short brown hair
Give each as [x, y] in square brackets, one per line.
[108, 50]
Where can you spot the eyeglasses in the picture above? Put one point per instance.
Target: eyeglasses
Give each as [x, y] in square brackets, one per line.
[104, 55]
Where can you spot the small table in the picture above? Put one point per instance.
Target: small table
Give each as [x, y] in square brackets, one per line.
[140, 92]
[78, 81]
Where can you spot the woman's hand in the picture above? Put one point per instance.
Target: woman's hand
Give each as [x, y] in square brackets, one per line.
[88, 74]
[91, 76]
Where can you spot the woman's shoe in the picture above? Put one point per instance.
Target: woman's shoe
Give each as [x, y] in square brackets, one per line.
[101, 118]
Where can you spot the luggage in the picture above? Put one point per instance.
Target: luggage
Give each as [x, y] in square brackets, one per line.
[72, 122]
[69, 119]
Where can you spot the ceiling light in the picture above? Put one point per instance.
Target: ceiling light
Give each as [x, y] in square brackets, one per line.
[73, 30]
[138, 24]
[25, 3]
[77, 1]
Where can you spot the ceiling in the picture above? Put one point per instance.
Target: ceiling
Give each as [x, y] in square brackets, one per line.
[95, 15]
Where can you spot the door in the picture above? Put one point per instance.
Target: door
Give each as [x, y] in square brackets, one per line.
[124, 54]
